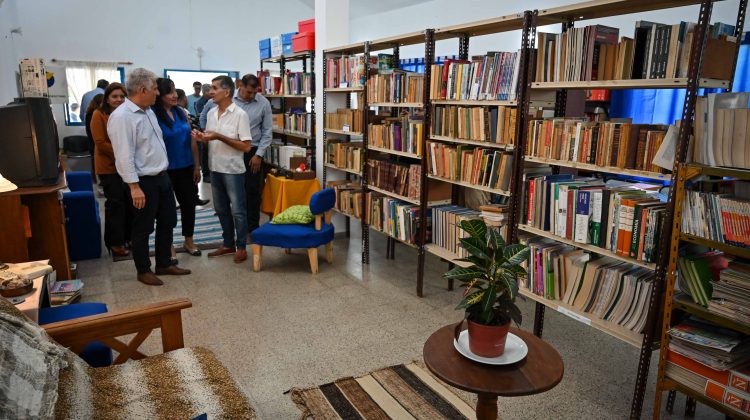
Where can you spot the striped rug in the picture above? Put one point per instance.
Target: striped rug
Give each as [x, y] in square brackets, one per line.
[397, 392]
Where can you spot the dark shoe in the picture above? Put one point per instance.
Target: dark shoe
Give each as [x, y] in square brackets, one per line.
[150, 279]
[193, 251]
[119, 251]
[221, 251]
[202, 202]
[172, 270]
[173, 261]
[240, 255]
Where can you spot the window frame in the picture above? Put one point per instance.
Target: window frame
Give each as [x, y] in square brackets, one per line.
[68, 123]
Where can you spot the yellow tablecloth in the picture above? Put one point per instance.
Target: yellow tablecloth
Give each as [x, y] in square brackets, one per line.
[280, 193]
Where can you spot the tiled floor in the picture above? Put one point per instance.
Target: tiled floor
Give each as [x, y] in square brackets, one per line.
[284, 328]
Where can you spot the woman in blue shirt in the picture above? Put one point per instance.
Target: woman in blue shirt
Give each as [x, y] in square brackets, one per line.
[184, 165]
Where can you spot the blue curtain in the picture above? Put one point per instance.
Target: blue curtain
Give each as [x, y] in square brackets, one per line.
[664, 106]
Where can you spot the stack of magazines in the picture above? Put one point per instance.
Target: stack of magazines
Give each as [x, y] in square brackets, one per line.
[709, 345]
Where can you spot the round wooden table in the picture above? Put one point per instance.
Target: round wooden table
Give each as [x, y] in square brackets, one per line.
[540, 371]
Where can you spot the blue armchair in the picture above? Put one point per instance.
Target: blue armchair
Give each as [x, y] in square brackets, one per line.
[309, 236]
[82, 221]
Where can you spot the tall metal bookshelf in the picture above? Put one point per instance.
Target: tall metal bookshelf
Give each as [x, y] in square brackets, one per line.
[307, 139]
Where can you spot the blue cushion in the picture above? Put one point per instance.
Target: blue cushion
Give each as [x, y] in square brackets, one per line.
[322, 201]
[293, 236]
[79, 181]
[82, 225]
[95, 353]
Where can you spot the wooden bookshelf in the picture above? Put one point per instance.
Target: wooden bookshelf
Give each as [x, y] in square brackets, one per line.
[588, 247]
[698, 395]
[349, 49]
[393, 195]
[596, 168]
[685, 303]
[307, 95]
[737, 173]
[394, 152]
[397, 104]
[343, 89]
[473, 103]
[346, 133]
[596, 9]
[610, 328]
[335, 210]
[347, 170]
[409, 244]
[291, 133]
[443, 253]
[729, 249]
[674, 83]
[470, 185]
[480, 143]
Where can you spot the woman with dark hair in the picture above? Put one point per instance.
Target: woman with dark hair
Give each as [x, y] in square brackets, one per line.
[182, 151]
[118, 216]
[95, 103]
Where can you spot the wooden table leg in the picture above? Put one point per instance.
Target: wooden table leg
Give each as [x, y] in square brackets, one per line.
[487, 407]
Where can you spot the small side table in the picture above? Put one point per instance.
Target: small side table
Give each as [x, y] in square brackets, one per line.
[281, 193]
[540, 371]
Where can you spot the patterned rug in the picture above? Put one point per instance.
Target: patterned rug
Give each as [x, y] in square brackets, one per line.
[396, 392]
[207, 233]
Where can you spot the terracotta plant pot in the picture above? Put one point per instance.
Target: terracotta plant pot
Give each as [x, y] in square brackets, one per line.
[487, 340]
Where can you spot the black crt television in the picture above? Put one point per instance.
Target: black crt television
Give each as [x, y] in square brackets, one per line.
[29, 143]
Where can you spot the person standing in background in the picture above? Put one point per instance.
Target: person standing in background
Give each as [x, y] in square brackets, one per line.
[201, 102]
[182, 151]
[101, 84]
[258, 109]
[141, 160]
[93, 106]
[228, 136]
[118, 214]
[182, 99]
[193, 98]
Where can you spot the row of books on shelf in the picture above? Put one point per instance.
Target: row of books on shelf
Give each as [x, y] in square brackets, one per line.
[620, 217]
[722, 127]
[490, 77]
[347, 71]
[345, 155]
[657, 51]
[401, 179]
[490, 124]
[394, 217]
[489, 168]
[292, 83]
[345, 119]
[297, 122]
[602, 143]
[402, 134]
[721, 216]
[395, 86]
[348, 197]
[281, 155]
[446, 222]
[712, 361]
[606, 288]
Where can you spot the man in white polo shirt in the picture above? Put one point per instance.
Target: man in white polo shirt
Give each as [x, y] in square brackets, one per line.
[228, 137]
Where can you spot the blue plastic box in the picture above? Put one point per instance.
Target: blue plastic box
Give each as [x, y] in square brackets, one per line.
[286, 49]
[287, 38]
[265, 53]
[264, 44]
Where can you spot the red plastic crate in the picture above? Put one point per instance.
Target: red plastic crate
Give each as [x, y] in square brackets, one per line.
[306, 26]
[303, 41]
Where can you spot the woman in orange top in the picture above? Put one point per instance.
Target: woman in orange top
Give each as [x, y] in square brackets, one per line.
[117, 209]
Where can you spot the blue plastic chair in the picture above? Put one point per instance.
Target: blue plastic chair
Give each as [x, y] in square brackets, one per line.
[83, 226]
[309, 236]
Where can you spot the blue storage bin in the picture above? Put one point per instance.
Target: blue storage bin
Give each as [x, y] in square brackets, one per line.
[286, 49]
[287, 38]
[265, 53]
[265, 44]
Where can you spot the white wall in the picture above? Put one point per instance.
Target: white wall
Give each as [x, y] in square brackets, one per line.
[155, 34]
[439, 13]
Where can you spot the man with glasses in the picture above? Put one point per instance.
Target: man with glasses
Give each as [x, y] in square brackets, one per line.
[258, 109]
[228, 137]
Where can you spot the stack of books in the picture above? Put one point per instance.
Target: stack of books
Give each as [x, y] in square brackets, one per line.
[298, 122]
[490, 77]
[270, 84]
[395, 217]
[347, 71]
[395, 86]
[490, 124]
[719, 217]
[271, 155]
[65, 292]
[345, 155]
[698, 272]
[730, 296]
[345, 119]
[495, 215]
[618, 145]
[446, 230]
[713, 346]
[722, 126]
[606, 288]
[348, 197]
[474, 165]
[298, 83]
[402, 134]
[623, 218]
[401, 179]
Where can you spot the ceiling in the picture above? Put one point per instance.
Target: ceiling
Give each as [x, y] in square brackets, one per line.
[361, 7]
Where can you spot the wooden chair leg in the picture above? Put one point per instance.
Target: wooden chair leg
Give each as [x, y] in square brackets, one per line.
[329, 252]
[312, 254]
[257, 255]
[287, 250]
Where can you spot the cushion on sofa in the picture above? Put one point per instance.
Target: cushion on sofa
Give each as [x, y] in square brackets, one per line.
[294, 215]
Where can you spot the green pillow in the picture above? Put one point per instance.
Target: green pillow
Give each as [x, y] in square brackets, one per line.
[294, 215]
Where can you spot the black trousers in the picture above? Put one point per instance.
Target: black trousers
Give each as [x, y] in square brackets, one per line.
[203, 156]
[253, 185]
[118, 210]
[160, 207]
[186, 191]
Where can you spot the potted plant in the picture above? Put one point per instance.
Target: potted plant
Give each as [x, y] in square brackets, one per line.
[491, 286]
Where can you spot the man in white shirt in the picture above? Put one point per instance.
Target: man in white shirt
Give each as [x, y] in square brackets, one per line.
[228, 137]
[141, 160]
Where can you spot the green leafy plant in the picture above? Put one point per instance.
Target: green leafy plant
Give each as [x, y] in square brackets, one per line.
[491, 281]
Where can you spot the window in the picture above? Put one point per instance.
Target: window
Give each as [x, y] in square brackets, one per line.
[184, 79]
[82, 78]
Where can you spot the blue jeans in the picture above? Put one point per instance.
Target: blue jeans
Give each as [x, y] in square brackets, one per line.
[230, 205]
